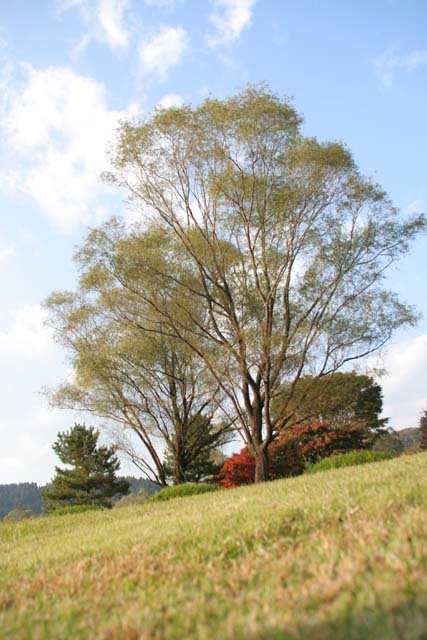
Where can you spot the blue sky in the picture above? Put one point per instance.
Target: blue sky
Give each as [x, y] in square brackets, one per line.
[71, 69]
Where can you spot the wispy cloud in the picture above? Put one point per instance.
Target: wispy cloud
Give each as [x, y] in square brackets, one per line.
[163, 51]
[58, 126]
[104, 20]
[230, 18]
[390, 62]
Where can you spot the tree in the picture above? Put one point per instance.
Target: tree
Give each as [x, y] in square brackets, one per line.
[91, 480]
[201, 457]
[423, 430]
[148, 383]
[341, 399]
[276, 239]
[199, 469]
[317, 440]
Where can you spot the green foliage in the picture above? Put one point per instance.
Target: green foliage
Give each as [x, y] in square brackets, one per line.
[18, 514]
[199, 459]
[129, 367]
[133, 499]
[183, 490]
[348, 460]
[91, 480]
[341, 399]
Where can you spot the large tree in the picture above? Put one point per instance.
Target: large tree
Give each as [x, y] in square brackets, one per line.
[287, 242]
[146, 382]
[90, 477]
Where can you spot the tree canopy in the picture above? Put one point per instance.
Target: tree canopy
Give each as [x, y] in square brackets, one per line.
[342, 399]
[267, 250]
[147, 382]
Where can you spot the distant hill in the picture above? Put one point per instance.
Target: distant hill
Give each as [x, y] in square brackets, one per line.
[398, 442]
[409, 436]
[26, 495]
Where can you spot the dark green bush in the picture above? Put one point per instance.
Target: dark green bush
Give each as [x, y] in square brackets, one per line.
[347, 460]
[181, 490]
[76, 508]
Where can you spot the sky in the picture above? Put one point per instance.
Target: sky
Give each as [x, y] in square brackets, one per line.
[70, 70]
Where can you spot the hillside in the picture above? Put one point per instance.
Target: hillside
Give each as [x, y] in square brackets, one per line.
[25, 495]
[339, 555]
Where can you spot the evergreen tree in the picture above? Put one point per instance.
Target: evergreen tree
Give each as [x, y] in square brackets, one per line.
[92, 479]
[423, 430]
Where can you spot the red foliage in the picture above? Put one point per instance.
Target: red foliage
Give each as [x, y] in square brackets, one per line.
[320, 440]
[290, 451]
[237, 470]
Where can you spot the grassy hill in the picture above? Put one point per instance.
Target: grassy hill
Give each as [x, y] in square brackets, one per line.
[338, 555]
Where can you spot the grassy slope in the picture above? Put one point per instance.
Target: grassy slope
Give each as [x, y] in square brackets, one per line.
[339, 555]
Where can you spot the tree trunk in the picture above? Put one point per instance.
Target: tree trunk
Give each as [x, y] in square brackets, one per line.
[179, 473]
[262, 465]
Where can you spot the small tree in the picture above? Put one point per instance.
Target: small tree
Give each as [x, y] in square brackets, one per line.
[423, 430]
[91, 480]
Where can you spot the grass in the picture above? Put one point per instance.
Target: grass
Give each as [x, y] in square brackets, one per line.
[340, 555]
[182, 490]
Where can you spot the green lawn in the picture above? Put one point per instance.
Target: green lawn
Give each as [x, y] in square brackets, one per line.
[337, 555]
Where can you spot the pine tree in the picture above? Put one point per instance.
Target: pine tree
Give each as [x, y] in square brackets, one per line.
[92, 479]
[423, 430]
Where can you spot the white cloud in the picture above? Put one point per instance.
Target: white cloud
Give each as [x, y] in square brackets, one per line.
[105, 20]
[27, 426]
[388, 63]
[164, 51]
[110, 17]
[404, 385]
[31, 360]
[59, 126]
[230, 19]
[171, 100]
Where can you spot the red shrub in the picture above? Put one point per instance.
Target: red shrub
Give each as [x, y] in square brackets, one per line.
[237, 470]
[290, 451]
